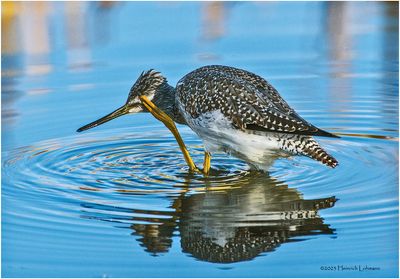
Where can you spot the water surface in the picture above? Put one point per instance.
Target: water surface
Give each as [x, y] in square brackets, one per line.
[118, 201]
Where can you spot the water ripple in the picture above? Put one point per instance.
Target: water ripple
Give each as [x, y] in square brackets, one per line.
[139, 181]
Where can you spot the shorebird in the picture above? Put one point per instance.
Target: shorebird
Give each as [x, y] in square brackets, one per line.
[231, 110]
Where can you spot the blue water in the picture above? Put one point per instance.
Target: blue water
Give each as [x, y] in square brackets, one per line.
[118, 201]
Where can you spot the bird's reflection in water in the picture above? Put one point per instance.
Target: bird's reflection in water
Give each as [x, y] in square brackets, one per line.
[235, 223]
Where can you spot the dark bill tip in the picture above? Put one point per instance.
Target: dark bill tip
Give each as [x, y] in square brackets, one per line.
[86, 127]
[118, 112]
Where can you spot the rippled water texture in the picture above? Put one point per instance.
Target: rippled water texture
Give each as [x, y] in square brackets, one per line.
[118, 200]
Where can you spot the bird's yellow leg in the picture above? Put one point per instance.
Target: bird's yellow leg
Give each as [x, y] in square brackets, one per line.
[207, 163]
[169, 123]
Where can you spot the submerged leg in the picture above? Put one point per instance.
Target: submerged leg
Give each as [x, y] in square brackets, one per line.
[169, 123]
[207, 162]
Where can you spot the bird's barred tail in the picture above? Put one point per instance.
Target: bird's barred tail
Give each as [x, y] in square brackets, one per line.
[313, 150]
[307, 146]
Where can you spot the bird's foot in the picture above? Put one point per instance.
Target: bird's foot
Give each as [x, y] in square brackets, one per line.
[207, 163]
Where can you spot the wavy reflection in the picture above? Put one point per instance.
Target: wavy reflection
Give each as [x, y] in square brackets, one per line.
[238, 223]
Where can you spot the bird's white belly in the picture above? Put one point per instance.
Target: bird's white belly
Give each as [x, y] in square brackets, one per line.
[218, 136]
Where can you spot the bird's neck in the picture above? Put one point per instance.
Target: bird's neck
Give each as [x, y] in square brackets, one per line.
[166, 101]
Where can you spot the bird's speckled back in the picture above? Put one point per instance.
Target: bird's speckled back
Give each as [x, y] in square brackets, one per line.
[246, 99]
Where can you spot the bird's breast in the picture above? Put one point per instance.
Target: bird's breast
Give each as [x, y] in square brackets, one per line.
[219, 135]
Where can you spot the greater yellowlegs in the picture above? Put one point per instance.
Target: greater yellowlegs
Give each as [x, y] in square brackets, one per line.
[231, 110]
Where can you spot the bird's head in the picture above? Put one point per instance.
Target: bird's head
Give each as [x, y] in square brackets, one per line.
[148, 84]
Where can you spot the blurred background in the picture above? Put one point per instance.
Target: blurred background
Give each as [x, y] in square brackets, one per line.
[99, 48]
[117, 201]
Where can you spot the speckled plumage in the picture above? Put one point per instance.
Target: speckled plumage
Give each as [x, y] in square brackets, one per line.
[233, 111]
[249, 104]
[246, 99]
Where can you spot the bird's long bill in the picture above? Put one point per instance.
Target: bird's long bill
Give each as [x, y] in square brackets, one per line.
[116, 113]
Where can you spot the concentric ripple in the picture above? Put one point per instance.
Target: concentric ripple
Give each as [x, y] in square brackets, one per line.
[132, 162]
[108, 168]
[111, 169]
[139, 181]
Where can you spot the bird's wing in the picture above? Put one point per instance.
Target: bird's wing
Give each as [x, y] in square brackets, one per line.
[246, 99]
